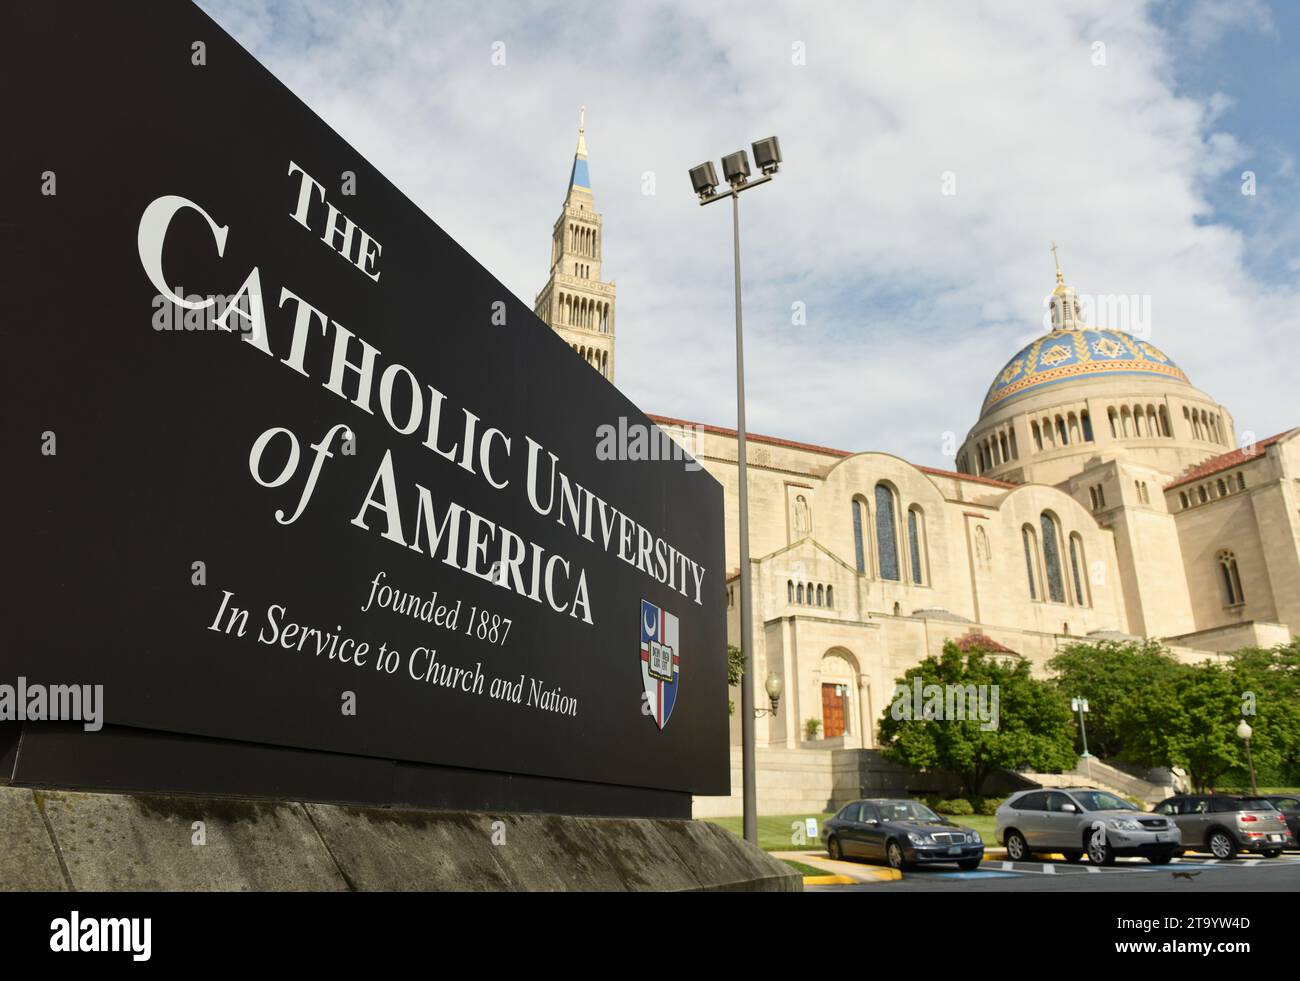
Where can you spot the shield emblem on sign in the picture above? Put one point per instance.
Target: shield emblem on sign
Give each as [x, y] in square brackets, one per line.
[660, 657]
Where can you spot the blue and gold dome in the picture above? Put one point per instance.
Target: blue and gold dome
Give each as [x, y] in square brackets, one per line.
[1080, 353]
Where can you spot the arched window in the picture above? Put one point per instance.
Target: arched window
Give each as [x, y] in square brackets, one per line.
[1078, 567]
[1038, 436]
[789, 588]
[1165, 429]
[859, 551]
[1052, 559]
[1031, 561]
[821, 595]
[799, 592]
[886, 533]
[916, 543]
[1241, 481]
[1002, 442]
[1223, 488]
[1114, 429]
[1063, 438]
[1182, 500]
[1231, 579]
[1086, 421]
[1092, 497]
[1201, 495]
[830, 596]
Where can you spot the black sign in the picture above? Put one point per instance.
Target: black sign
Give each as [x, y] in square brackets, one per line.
[285, 465]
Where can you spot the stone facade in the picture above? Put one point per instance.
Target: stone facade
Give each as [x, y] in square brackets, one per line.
[1098, 495]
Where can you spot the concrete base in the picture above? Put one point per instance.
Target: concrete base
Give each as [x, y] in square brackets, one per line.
[61, 840]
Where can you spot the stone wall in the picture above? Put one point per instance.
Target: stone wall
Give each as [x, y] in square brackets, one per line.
[65, 841]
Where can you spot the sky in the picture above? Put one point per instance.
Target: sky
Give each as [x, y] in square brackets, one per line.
[933, 153]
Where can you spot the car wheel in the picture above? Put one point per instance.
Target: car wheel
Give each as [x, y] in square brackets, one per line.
[1017, 847]
[1159, 859]
[1073, 856]
[969, 865]
[833, 849]
[1222, 846]
[1100, 850]
[894, 855]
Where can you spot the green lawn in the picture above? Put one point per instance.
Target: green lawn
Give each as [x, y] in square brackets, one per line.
[776, 832]
[804, 869]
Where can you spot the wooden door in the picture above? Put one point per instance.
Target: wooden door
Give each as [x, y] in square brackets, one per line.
[833, 704]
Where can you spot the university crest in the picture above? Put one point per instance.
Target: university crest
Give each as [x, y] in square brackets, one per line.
[660, 657]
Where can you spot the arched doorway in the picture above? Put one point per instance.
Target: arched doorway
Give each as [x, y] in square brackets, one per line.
[840, 696]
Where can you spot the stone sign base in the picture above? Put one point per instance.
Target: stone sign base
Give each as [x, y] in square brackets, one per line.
[56, 840]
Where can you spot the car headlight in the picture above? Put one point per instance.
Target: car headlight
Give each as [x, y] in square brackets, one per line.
[1124, 824]
[917, 839]
[975, 838]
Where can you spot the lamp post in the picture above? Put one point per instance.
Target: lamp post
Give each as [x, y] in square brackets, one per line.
[704, 179]
[1080, 705]
[1244, 732]
[774, 685]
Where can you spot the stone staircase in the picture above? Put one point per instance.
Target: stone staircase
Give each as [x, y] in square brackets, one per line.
[1093, 772]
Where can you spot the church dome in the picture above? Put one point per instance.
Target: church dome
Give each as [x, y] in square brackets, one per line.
[1080, 353]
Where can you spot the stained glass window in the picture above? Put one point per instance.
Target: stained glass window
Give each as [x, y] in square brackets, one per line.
[1027, 534]
[914, 545]
[858, 550]
[1076, 563]
[886, 536]
[1052, 560]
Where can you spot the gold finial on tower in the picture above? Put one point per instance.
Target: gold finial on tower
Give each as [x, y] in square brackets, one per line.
[1055, 258]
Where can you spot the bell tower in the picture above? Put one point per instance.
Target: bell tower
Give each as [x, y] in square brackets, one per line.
[575, 302]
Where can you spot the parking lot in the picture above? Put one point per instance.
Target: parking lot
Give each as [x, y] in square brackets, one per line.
[1192, 873]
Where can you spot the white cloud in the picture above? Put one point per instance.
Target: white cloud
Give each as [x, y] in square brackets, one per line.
[914, 299]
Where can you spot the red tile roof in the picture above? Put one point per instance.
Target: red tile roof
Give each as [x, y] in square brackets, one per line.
[1227, 460]
[812, 447]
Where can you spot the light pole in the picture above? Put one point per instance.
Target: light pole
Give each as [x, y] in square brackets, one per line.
[704, 179]
[1244, 732]
[1080, 705]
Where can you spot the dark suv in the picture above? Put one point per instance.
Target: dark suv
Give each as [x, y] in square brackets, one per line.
[1224, 824]
[1289, 805]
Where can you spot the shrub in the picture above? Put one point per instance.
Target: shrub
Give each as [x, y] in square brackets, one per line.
[988, 806]
[958, 806]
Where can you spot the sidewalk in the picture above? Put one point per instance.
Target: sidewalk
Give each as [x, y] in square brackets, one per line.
[839, 873]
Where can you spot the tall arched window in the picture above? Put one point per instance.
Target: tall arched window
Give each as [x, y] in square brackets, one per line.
[886, 533]
[1052, 559]
[1031, 562]
[789, 588]
[916, 543]
[830, 596]
[821, 594]
[859, 549]
[1231, 579]
[1086, 421]
[1079, 568]
[799, 592]
[1062, 437]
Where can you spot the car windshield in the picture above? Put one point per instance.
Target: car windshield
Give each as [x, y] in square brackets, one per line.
[1099, 800]
[907, 811]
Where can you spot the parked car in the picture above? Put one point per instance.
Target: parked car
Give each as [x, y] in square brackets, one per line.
[1289, 805]
[1080, 820]
[1224, 824]
[901, 833]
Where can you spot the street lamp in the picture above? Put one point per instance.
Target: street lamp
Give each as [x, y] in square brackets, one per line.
[704, 180]
[1080, 705]
[775, 685]
[1244, 732]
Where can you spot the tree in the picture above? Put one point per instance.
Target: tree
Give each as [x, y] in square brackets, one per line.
[1268, 691]
[1107, 673]
[735, 671]
[1190, 722]
[1032, 718]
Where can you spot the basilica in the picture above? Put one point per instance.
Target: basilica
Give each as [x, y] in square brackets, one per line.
[1098, 494]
